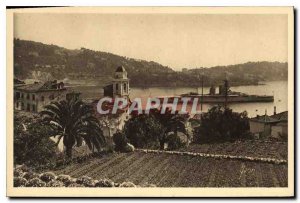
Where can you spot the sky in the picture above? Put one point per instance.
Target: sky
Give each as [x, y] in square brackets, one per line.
[175, 40]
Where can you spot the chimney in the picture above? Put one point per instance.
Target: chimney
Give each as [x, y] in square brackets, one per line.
[265, 115]
[274, 110]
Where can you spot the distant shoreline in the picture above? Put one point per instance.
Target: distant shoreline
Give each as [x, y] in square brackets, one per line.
[262, 83]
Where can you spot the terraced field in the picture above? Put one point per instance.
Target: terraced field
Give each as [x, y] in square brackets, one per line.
[171, 170]
[253, 148]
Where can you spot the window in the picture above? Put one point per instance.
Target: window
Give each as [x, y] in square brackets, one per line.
[17, 95]
[22, 106]
[43, 98]
[51, 97]
[124, 87]
[33, 108]
[28, 96]
[117, 86]
[17, 105]
[22, 95]
[33, 97]
[28, 107]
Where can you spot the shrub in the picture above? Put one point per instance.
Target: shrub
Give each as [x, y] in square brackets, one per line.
[32, 145]
[66, 179]
[104, 183]
[174, 142]
[22, 168]
[221, 124]
[75, 185]
[30, 175]
[18, 172]
[129, 148]
[19, 182]
[86, 181]
[283, 137]
[48, 176]
[55, 183]
[70, 181]
[120, 141]
[35, 182]
[127, 184]
[143, 131]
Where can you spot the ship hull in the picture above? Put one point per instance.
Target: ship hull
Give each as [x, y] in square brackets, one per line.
[221, 99]
[234, 99]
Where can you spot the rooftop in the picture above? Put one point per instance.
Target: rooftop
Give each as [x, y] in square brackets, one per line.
[283, 116]
[39, 86]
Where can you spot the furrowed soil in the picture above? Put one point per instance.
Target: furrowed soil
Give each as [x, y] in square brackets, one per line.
[252, 148]
[173, 170]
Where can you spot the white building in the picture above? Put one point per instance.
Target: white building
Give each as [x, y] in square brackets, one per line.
[33, 97]
[118, 88]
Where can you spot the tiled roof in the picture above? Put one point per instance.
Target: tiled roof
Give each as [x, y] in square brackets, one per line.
[38, 86]
[283, 116]
[31, 87]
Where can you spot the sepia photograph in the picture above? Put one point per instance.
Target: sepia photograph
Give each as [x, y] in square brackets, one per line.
[150, 101]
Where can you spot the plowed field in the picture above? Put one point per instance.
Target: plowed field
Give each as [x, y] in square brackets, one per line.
[168, 170]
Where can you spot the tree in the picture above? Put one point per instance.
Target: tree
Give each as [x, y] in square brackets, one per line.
[170, 123]
[110, 121]
[174, 142]
[143, 131]
[32, 143]
[221, 124]
[153, 130]
[74, 122]
[120, 141]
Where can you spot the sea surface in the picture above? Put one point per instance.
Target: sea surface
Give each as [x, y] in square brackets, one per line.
[277, 88]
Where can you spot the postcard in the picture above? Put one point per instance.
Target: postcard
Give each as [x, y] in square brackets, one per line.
[150, 102]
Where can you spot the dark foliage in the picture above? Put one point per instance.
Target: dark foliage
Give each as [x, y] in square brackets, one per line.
[152, 130]
[143, 131]
[170, 122]
[120, 141]
[73, 121]
[174, 142]
[32, 144]
[105, 183]
[221, 124]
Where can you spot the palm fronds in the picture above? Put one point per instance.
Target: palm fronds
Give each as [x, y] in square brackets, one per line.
[73, 121]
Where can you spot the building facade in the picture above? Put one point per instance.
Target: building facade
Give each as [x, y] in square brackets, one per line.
[274, 126]
[33, 97]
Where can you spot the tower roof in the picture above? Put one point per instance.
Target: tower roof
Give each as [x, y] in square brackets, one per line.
[120, 69]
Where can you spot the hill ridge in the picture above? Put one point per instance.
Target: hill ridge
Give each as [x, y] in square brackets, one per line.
[33, 58]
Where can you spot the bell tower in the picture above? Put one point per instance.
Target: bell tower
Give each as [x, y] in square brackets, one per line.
[120, 83]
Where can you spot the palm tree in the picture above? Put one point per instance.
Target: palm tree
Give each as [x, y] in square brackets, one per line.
[171, 122]
[74, 122]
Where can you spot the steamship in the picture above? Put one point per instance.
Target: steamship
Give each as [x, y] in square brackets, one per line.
[225, 95]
